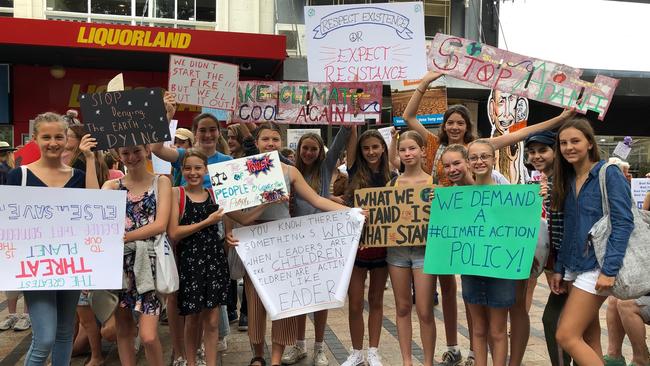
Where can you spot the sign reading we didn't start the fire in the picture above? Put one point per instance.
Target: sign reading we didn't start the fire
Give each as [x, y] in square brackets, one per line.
[61, 238]
[203, 82]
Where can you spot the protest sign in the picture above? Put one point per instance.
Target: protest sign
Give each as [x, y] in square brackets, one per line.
[116, 83]
[386, 133]
[159, 165]
[544, 81]
[640, 186]
[257, 101]
[248, 182]
[125, 118]
[303, 264]
[373, 42]
[203, 82]
[294, 135]
[329, 103]
[220, 114]
[484, 230]
[398, 216]
[61, 238]
[431, 110]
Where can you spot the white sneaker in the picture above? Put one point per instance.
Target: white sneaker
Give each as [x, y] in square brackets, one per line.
[293, 354]
[354, 359]
[373, 357]
[180, 361]
[222, 345]
[320, 358]
[9, 322]
[23, 323]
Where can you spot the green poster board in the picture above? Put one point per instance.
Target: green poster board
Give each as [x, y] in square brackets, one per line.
[484, 230]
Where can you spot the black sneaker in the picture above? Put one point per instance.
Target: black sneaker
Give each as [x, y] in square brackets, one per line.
[435, 298]
[232, 317]
[243, 323]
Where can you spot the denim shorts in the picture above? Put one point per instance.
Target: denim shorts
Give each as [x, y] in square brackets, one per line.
[406, 257]
[488, 291]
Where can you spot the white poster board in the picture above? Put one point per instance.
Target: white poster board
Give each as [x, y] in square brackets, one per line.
[294, 135]
[203, 82]
[248, 182]
[365, 42]
[386, 134]
[640, 186]
[61, 238]
[303, 264]
[161, 166]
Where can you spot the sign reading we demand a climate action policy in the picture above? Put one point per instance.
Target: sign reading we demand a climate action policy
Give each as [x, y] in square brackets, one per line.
[484, 230]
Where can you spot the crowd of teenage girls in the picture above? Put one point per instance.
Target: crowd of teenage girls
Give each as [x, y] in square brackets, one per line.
[563, 150]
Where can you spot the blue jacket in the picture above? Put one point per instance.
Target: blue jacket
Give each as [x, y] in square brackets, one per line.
[581, 213]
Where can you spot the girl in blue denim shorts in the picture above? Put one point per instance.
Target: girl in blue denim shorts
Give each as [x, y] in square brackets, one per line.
[576, 191]
[487, 298]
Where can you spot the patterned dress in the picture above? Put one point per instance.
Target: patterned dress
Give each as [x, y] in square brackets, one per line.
[202, 263]
[140, 211]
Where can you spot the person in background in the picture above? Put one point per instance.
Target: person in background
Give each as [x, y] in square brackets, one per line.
[114, 171]
[576, 191]
[288, 154]
[627, 317]
[6, 161]
[183, 138]
[624, 166]
[52, 312]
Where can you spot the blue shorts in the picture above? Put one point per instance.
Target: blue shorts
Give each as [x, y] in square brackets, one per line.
[488, 291]
[406, 257]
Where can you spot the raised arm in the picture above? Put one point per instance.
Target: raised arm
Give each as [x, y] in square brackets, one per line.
[308, 194]
[393, 157]
[519, 135]
[339, 143]
[411, 110]
[159, 224]
[351, 152]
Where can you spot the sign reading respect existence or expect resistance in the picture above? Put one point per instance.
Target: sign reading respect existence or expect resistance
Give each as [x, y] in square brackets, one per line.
[304, 103]
[373, 42]
[397, 216]
[125, 118]
[248, 182]
[544, 81]
[204, 83]
[484, 230]
[302, 264]
[61, 238]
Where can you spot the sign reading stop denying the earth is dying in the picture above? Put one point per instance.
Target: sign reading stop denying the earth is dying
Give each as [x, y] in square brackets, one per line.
[544, 81]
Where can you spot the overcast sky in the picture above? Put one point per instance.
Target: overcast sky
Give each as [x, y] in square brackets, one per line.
[587, 34]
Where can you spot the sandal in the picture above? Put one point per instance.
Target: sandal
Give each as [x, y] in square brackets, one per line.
[261, 361]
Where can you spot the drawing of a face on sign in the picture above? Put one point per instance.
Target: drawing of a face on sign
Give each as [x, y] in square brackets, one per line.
[508, 113]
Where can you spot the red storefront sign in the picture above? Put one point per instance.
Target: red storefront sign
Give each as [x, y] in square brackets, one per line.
[148, 39]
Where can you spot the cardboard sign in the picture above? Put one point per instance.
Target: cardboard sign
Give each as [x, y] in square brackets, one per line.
[248, 182]
[303, 264]
[294, 135]
[203, 82]
[220, 114]
[640, 186]
[116, 83]
[540, 80]
[484, 230]
[257, 101]
[159, 165]
[373, 42]
[397, 216]
[61, 238]
[329, 103]
[431, 110]
[27, 154]
[125, 118]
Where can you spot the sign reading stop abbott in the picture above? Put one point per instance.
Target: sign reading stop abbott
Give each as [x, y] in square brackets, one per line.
[125, 118]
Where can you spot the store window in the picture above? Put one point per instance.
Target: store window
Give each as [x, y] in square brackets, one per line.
[6, 3]
[639, 157]
[290, 11]
[112, 7]
[206, 10]
[68, 5]
[164, 9]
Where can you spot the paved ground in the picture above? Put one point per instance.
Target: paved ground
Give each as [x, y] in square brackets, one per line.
[13, 345]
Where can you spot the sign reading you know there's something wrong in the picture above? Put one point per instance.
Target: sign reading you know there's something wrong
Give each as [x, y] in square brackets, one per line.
[302, 264]
[61, 238]
[373, 42]
[484, 230]
[125, 118]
